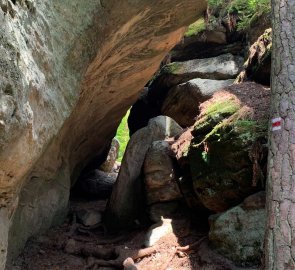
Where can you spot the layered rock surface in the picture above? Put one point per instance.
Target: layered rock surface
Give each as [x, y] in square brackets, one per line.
[69, 71]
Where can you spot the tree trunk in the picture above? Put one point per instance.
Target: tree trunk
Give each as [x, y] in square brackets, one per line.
[280, 228]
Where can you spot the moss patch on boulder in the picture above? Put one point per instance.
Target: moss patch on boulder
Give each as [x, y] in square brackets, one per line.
[228, 153]
[196, 28]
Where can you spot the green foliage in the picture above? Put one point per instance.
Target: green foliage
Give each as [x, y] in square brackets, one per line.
[249, 130]
[247, 11]
[123, 135]
[216, 4]
[195, 28]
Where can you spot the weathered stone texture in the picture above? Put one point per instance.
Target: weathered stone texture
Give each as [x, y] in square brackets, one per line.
[280, 232]
[127, 196]
[238, 233]
[68, 72]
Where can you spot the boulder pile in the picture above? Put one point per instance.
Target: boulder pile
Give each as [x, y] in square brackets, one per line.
[217, 163]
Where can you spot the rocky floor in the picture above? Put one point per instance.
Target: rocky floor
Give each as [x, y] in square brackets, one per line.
[71, 246]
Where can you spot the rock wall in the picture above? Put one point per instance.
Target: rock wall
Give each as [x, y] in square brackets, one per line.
[69, 70]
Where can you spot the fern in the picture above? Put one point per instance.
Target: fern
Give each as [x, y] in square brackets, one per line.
[245, 10]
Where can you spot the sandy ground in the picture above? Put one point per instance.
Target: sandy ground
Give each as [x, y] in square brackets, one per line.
[49, 251]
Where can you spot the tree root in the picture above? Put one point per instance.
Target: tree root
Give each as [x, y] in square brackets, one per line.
[124, 257]
[103, 256]
[191, 246]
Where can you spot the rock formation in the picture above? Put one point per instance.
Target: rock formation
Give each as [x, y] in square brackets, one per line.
[160, 176]
[228, 152]
[239, 232]
[127, 199]
[68, 72]
[179, 87]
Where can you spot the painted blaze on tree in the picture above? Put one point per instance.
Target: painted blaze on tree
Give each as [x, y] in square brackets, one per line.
[280, 228]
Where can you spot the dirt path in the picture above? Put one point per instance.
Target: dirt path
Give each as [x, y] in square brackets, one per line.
[69, 248]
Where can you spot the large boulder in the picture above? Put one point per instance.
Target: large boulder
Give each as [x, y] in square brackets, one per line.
[222, 67]
[71, 69]
[227, 155]
[182, 101]
[160, 174]
[126, 200]
[179, 87]
[238, 233]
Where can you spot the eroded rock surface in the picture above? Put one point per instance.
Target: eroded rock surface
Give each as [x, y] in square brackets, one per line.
[68, 72]
[160, 176]
[239, 232]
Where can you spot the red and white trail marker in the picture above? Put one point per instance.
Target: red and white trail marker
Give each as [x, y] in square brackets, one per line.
[276, 123]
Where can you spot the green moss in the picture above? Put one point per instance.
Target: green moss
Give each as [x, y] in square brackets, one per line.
[171, 68]
[123, 135]
[214, 114]
[224, 107]
[226, 119]
[195, 28]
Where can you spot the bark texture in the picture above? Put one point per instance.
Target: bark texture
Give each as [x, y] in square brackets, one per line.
[280, 233]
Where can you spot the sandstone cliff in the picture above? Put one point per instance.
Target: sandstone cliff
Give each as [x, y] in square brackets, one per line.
[68, 72]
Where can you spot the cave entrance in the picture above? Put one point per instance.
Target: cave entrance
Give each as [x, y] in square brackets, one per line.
[98, 177]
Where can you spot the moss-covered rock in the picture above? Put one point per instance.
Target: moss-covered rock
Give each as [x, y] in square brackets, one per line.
[228, 154]
[195, 28]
